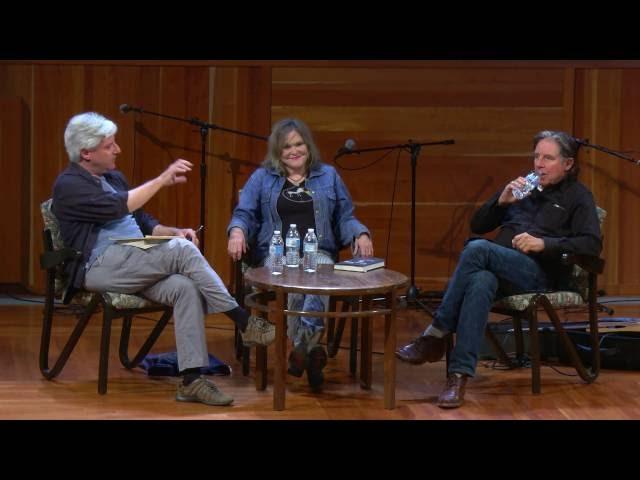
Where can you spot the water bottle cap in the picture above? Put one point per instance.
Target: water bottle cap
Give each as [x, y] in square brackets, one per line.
[276, 232]
[292, 225]
[311, 230]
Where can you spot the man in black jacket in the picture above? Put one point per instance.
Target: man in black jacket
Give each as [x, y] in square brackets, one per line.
[559, 216]
[94, 206]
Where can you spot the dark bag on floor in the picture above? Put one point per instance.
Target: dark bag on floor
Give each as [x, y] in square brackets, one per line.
[166, 365]
[618, 350]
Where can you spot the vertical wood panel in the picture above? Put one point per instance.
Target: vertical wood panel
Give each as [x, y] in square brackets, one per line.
[58, 93]
[601, 124]
[241, 101]
[14, 184]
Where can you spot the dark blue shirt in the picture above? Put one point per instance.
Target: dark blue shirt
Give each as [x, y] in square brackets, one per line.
[82, 206]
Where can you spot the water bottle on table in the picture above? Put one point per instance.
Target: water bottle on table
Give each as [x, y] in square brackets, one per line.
[292, 244]
[310, 250]
[276, 254]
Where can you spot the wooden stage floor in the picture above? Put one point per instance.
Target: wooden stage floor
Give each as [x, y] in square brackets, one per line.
[491, 395]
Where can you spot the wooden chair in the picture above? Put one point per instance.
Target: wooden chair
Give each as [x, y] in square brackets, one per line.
[526, 306]
[114, 305]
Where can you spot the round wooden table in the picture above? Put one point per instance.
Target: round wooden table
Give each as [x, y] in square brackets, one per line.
[327, 281]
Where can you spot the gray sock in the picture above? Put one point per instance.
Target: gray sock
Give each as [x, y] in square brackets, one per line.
[435, 332]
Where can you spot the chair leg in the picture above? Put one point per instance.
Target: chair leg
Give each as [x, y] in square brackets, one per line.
[146, 346]
[246, 359]
[519, 339]
[587, 375]
[104, 349]
[366, 347]
[71, 342]
[334, 345]
[353, 349]
[534, 348]
[331, 324]
[495, 344]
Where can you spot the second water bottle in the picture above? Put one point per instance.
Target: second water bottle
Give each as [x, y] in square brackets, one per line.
[292, 244]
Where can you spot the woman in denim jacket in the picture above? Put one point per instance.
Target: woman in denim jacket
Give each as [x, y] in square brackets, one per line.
[293, 185]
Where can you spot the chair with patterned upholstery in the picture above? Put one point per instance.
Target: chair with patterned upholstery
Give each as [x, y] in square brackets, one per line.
[114, 305]
[526, 306]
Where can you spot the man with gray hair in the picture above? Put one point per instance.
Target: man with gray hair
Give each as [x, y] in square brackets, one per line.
[557, 217]
[95, 205]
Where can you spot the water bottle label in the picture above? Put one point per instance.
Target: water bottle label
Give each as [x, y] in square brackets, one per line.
[278, 249]
[310, 248]
[272, 249]
[293, 242]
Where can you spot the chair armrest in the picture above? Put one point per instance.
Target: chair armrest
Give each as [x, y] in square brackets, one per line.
[589, 263]
[57, 257]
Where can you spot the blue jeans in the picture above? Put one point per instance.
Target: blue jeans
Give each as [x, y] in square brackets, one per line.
[483, 266]
[306, 332]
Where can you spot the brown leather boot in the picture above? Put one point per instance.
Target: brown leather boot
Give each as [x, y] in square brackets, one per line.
[453, 395]
[425, 348]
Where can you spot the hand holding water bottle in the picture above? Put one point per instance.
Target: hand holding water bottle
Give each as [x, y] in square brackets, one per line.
[519, 188]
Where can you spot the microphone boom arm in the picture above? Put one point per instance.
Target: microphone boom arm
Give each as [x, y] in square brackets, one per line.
[608, 151]
[410, 146]
[204, 131]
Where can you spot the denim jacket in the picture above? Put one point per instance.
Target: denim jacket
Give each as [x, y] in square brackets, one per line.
[256, 213]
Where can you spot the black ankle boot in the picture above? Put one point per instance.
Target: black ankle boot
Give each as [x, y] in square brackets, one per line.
[317, 361]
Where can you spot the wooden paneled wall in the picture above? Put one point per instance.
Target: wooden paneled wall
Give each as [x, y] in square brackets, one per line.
[491, 111]
[230, 97]
[491, 114]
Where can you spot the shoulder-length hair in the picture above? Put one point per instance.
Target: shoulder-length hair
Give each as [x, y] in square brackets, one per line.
[278, 139]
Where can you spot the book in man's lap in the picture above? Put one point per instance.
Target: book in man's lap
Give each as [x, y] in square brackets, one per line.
[360, 264]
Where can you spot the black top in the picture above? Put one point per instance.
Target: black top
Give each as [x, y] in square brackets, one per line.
[563, 215]
[295, 205]
[81, 206]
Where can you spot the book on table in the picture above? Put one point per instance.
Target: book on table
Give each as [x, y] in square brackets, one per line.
[360, 264]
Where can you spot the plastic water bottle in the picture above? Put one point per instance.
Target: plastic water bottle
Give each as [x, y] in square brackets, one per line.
[293, 246]
[532, 180]
[276, 254]
[310, 247]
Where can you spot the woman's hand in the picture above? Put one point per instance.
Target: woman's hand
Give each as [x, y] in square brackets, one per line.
[237, 245]
[363, 246]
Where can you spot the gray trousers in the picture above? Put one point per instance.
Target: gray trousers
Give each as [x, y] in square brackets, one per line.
[172, 273]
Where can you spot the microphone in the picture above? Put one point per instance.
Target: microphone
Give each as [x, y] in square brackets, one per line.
[349, 145]
[124, 108]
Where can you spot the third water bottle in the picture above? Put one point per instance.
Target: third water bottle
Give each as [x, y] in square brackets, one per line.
[310, 247]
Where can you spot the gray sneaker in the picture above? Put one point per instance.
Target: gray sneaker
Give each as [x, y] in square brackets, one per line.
[258, 332]
[204, 391]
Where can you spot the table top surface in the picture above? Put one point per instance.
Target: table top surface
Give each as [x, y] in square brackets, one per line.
[327, 281]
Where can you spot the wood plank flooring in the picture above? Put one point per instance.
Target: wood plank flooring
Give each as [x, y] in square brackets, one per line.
[492, 394]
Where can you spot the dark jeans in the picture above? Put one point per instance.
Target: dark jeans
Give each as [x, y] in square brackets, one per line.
[483, 266]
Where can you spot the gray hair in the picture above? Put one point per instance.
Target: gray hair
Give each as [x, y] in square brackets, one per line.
[86, 131]
[568, 147]
[278, 139]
